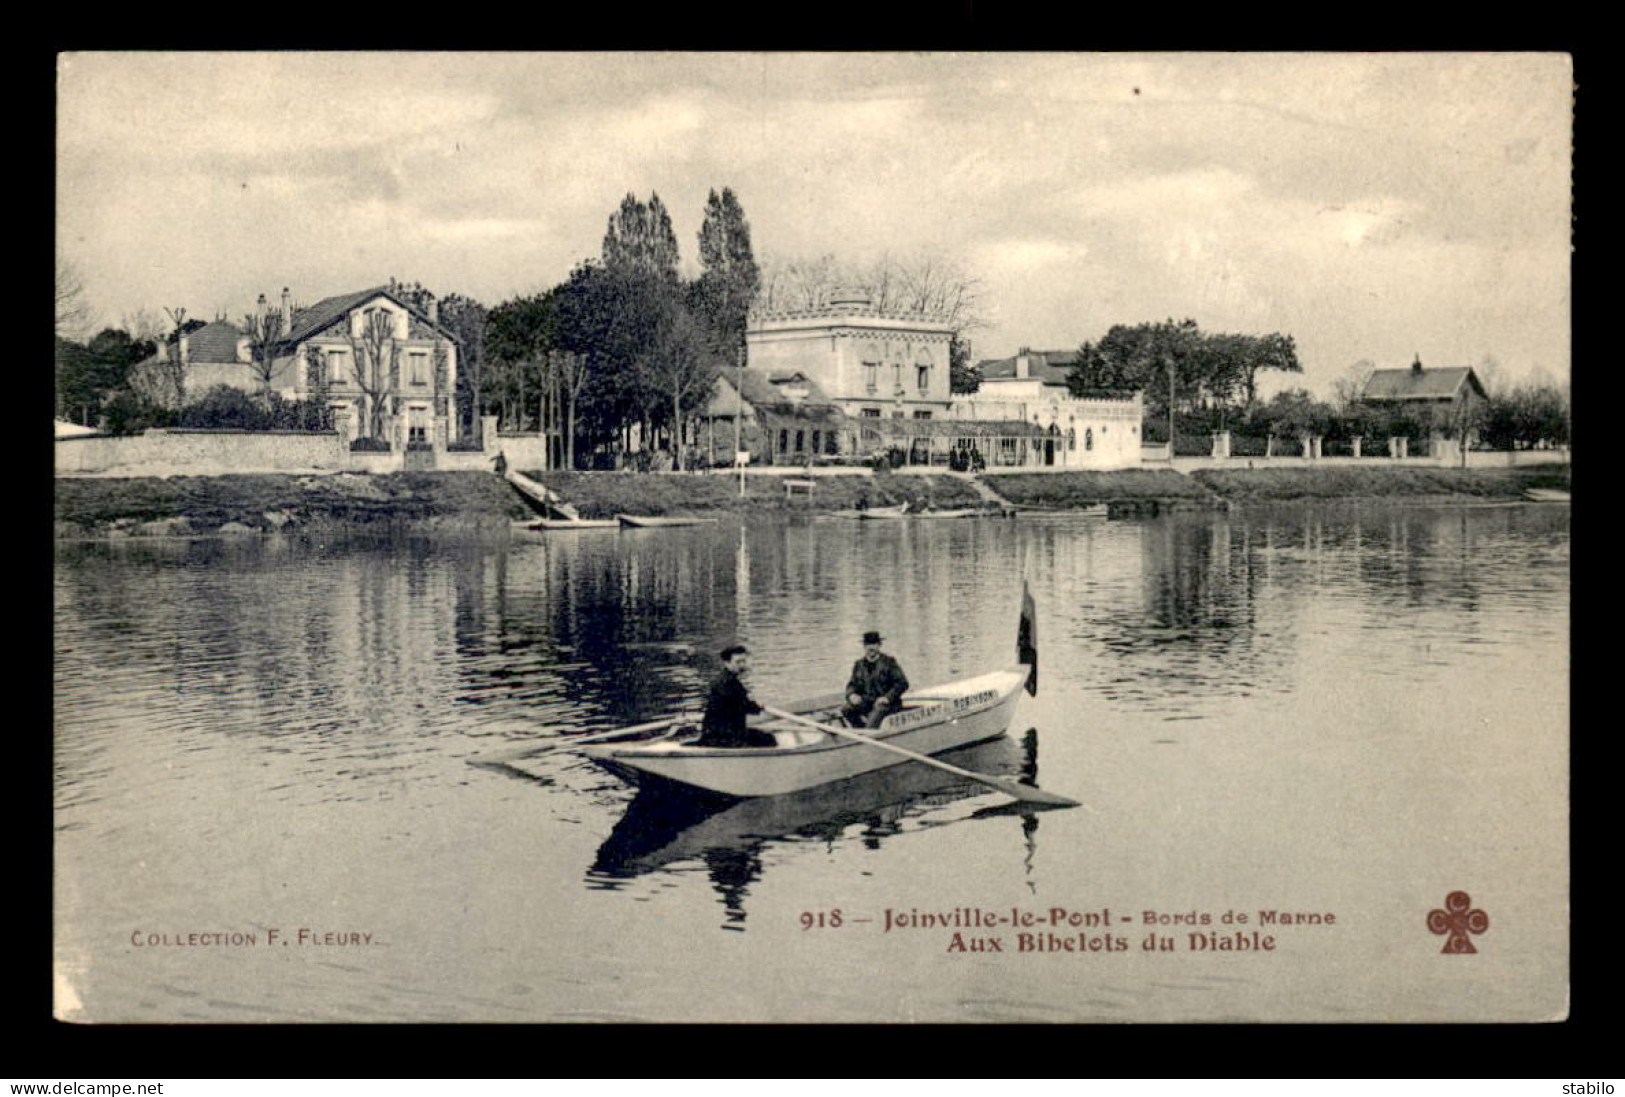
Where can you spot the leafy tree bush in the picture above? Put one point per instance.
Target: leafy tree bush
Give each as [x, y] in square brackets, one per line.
[226, 408]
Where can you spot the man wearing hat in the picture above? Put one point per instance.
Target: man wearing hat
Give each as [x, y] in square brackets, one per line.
[876, 687]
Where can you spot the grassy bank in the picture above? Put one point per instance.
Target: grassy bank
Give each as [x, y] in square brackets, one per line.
[1065, 490]
[606, 494]
[147, 506]
[1266, 485]
[182, 505]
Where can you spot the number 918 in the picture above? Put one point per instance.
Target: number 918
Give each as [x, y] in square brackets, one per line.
[821, 919]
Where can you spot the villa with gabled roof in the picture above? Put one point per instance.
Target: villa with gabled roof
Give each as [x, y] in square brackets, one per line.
[325, 342]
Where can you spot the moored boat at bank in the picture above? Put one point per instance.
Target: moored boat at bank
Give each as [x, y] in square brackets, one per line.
[961, 512]
[637, 521]
[869, 512]
[555, 524]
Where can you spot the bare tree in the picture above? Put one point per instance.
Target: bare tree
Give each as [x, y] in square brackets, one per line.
[926, 284]
[375, 364]
[264, 330]
[1349, 389]
[568, 373]
[682, 366]
[73, 318]
[318, 387]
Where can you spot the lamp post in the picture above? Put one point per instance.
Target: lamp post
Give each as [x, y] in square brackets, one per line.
[1170, 409]
[739, 415]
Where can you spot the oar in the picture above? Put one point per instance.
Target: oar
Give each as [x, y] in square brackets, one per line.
[1010, 788]
[530, 751]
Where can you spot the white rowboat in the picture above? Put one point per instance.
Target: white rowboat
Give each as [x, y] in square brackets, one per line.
[932, 720]
[634, 521]
[576, 523]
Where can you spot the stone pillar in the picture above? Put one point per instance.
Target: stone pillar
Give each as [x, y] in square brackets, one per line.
[1221, 444]
[1398, 446]
[488, 432]
[1306, 446]
[1356, 445]
[442, 433]
[1317, 441]
[343, 423]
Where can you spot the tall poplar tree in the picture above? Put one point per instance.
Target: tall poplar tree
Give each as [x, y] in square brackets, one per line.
[730, 278]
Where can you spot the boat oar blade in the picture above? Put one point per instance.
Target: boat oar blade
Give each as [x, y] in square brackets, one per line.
[533, 749]
[1032, 794]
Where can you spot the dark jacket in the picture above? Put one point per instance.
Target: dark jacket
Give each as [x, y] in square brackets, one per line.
[882, 678]
[726, 707]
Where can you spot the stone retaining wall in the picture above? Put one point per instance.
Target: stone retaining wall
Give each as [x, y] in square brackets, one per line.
[201, 453]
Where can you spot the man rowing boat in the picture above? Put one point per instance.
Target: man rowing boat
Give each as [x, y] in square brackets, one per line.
[876, 687]
[729, 704]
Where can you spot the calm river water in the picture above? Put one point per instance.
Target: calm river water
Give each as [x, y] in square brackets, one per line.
[269, 804]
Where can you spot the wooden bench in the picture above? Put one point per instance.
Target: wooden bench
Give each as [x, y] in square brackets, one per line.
[792, 486]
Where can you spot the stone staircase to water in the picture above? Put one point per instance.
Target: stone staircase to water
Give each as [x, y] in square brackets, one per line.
[985, 490]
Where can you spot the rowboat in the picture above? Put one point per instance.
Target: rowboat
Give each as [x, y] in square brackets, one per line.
[551, 524]
[635, 521]
[1546, 495]
[869, 512]
[540, 496]
[931, 720]
[963, 512]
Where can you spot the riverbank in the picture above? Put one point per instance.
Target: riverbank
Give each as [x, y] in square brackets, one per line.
[187, 505]
[196, 505]
[604, 495]
[1415, 484]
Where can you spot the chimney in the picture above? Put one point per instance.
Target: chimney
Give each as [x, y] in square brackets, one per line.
[287, 311]
[1023, 368]
[434, 310]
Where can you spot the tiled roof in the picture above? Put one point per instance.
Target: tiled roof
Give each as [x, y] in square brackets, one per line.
[216, 342]
[1049, 366]
[309, 321]
[1420, 384]
[760, 390]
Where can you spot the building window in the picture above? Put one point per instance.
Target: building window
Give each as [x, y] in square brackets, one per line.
[1088, 438]
[817, 440]
[922, 415]
[871, 413]
[338, 367]
[922, 374]
[420, 367]
[801, 438]
[871, 368]
[784, 440]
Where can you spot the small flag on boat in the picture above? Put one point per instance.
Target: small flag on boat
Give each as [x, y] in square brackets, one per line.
[1027, 638]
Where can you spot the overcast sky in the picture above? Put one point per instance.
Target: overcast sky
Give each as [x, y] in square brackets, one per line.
[1372, 206]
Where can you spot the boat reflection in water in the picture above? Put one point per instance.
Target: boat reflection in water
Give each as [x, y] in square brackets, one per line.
[669, 826]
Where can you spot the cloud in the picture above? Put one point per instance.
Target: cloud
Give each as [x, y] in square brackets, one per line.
[1360, 202]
